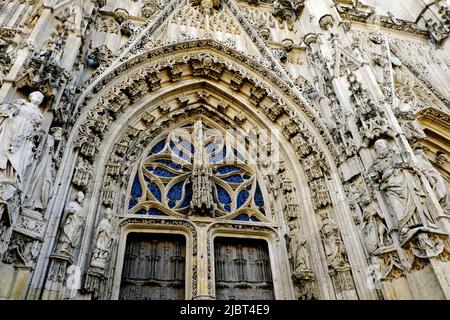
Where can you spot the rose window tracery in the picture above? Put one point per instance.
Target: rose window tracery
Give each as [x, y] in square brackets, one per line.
[195, 170]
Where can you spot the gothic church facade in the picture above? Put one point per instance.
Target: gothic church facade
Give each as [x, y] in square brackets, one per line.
[224, 149]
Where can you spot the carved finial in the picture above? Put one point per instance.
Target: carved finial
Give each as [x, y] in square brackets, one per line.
[202, 202]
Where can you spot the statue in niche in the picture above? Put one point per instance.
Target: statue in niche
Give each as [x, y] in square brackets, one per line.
[437, 182]
[402, 187]
[42, 180]
[332, 242]
[298, 254]
[103, 241]
[375, 231]
[71, 234]
[20, 123]
[207, 6]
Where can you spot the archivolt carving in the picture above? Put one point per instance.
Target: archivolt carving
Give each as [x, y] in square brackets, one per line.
[215, 59]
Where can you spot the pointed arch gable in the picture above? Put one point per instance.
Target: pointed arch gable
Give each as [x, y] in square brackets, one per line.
[169, 59]
[148, 92]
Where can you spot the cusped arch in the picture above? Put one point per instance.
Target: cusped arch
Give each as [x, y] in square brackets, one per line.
[122, 111]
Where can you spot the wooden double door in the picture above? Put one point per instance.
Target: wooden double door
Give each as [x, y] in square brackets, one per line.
[155, 268]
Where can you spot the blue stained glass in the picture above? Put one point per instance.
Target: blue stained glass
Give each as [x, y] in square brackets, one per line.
[132, 203]
[178, 152]
[246, 176]
[187, 145]
[227, 208]
[259, 201]
[218, 156]
[242, 217]
[152, 212]
[187, 195]
[155, 212]
[210, 147]
[226, 169]
[242, 197]
[157, 148]
[262, 211]
[154, 189]
[164, 173]
[236, 178]
[238, 154]
[136, 190]
[223, 195]
[213, 146]
[169, 163]
[174, 193]
[253, 218]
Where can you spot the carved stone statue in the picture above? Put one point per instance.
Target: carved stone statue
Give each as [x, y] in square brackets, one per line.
[375, 231]
[70, 236]
[402, 188]
[19, 125]
[42, 180]
[437, 182]
[298, 254]
[334, 248]
[207, 6]
[103, 241]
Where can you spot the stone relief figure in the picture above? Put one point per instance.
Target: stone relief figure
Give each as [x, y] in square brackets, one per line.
[437, 182]
[71, 230]
[375, 231]
[22, 250]
[42, 180]
[334, 248]
[103, 241]
[402, 187]
[298, 254]
[19, 125]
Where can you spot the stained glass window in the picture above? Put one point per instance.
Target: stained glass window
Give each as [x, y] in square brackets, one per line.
[165, 178]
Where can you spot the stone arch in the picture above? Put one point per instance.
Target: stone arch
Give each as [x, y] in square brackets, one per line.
[140, 89]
